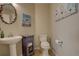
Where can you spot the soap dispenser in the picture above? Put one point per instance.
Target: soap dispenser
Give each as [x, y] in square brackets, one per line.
[2, 34]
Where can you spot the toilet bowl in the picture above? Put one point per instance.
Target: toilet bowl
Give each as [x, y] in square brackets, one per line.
[45, 47]
[44, 44]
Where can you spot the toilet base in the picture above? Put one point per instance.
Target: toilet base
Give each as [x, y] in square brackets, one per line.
[45, 52]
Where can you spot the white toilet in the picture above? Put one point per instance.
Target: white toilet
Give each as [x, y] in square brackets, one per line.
[44, 44]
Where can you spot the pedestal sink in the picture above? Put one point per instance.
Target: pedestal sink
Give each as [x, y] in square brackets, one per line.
[12, 43]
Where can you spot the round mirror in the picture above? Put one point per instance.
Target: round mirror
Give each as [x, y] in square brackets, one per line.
[8, 14]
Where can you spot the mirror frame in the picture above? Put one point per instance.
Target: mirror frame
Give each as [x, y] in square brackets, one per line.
[15, 15]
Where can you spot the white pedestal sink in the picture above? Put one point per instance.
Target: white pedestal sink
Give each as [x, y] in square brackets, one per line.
[12, 43]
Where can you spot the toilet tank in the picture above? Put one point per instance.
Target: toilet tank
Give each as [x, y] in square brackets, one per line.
[43, 37]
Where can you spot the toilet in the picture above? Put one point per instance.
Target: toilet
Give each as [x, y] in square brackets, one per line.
[44, 44]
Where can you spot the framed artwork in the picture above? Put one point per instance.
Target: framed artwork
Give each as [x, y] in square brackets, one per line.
[65, 10]
[26, 21]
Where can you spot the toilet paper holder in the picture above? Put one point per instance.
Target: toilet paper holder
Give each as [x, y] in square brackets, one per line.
[59, 42]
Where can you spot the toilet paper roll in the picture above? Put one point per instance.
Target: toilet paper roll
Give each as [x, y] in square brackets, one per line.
[56, 41]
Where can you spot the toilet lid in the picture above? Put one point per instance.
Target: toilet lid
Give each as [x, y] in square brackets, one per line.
[44, 44]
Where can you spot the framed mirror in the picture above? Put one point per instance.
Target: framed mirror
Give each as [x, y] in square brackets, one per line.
[8, 13]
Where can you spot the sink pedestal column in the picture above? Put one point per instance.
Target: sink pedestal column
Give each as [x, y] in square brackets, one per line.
[13, 49]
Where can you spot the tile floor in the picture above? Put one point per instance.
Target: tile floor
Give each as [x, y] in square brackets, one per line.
[38, 52]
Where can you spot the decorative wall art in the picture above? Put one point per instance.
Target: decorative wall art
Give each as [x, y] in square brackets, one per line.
[26, 22]
[65, 10]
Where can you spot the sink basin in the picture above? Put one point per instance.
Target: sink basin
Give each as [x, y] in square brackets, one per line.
[12, 43]
[10, 40]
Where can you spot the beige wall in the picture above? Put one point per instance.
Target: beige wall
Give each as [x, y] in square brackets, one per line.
[16, 28]
[42, 21]
[66, 30]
